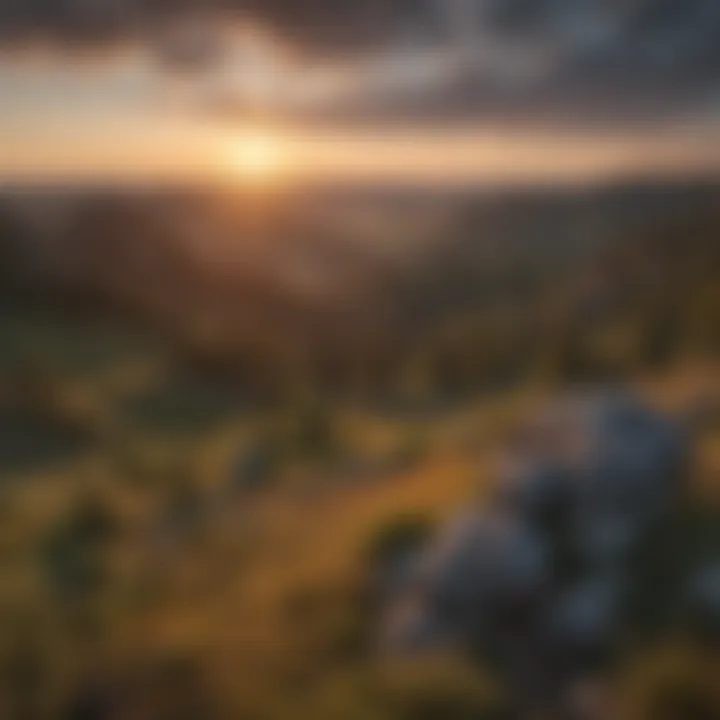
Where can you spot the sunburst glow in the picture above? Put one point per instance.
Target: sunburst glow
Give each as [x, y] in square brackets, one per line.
[259, 157]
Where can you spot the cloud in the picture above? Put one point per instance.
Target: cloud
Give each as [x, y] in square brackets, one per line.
[420, 56]
[588, 25]
[326, 23]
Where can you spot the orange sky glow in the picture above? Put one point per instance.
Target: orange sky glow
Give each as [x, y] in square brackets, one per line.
[184, 151]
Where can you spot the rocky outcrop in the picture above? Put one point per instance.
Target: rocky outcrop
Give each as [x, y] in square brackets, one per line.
[541, 580]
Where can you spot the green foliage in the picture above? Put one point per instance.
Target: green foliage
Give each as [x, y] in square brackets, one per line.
[439, 689]
[73, 554]
[673, 682]
[398, 536]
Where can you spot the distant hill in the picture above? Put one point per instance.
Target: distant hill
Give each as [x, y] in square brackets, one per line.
[339, 283]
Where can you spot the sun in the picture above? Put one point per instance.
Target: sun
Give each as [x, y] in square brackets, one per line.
[258, 157]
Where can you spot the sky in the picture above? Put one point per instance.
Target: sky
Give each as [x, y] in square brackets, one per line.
[428, 90]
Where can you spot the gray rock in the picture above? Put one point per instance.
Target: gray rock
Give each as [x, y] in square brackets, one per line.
[584, 619]
[480, 569]
[603, 468]
[542, 579]
[703, 596]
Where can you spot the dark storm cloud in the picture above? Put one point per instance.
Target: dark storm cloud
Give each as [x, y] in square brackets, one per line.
[324, 22]
[659, 47]
[670, 31]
